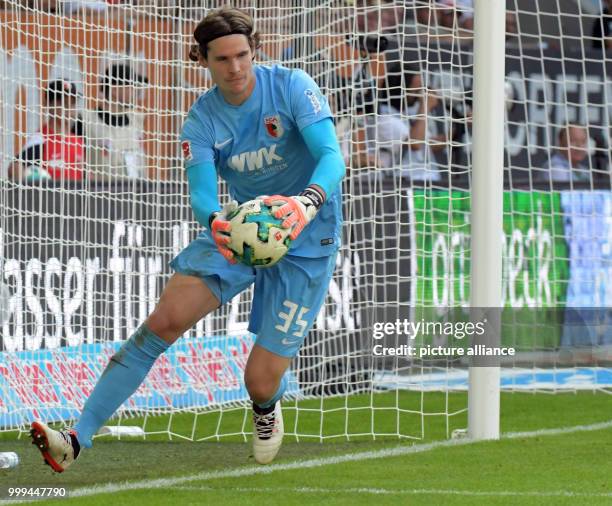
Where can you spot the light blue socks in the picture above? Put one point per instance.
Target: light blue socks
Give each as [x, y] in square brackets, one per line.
[123, 375]
[279, 393]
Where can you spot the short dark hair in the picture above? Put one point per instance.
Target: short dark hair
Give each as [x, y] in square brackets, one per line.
[219, 23]
[120, 74]
[60, 90]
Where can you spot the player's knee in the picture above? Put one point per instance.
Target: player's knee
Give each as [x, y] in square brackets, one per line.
[162, 324]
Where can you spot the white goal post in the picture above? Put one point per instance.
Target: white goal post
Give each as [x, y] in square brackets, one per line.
[487, 200]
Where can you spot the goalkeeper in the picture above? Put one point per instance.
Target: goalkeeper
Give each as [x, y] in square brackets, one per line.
[267, 131]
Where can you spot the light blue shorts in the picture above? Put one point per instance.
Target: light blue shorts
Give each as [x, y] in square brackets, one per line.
[286, 299]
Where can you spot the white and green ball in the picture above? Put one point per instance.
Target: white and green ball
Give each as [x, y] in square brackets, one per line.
[257, 238]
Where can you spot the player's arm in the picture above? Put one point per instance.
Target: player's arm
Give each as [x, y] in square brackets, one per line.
[205, 204]
[313, 118]
[321, 141]
[203, 192]
[197, 146]
[298, 211]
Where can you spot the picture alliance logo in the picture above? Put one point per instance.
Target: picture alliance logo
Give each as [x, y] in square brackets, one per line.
[436, 340]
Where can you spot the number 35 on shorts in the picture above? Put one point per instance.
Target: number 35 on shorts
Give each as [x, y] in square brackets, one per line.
[292, 320]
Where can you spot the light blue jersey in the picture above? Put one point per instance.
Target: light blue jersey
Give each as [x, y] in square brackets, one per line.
[258, 149]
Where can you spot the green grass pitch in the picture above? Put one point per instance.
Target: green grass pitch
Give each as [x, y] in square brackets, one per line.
[534, 468]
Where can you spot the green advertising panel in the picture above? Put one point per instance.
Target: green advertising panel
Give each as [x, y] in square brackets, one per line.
[535, 255]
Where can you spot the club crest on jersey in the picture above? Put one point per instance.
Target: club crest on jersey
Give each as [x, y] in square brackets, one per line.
[274, 126]
[186, 146]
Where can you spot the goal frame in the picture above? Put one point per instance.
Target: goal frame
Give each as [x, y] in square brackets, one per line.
[487, 202]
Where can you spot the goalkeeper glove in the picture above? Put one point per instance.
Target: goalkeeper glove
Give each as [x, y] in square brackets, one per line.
[297, 211]
[221, 230]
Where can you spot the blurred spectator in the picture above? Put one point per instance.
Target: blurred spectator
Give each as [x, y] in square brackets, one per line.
[114, 130]
[50, 6]
[395, 132]
[602, 27]
[374, 22]
[402, 133]
[375, 16]
[512, 27]
[423, 20]
[92, 6]
[460, 13]
[465, 10]
[570, 162]
[437, 19]
[448, 14]
[57, 152]
[457, 16]
[68, 7]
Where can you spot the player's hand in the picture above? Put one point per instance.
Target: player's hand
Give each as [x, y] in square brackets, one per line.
[296, 212]
[221, 228]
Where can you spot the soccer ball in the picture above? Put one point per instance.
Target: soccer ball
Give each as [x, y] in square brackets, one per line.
[257, 238]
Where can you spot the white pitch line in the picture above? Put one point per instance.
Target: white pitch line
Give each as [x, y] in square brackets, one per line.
[111, 488]
[560, 430]
[390, 491]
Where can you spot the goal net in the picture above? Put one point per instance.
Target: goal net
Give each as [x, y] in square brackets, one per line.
[84, 253]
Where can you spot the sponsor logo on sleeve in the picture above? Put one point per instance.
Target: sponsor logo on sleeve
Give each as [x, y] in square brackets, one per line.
[186, 146]
[314, 100]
